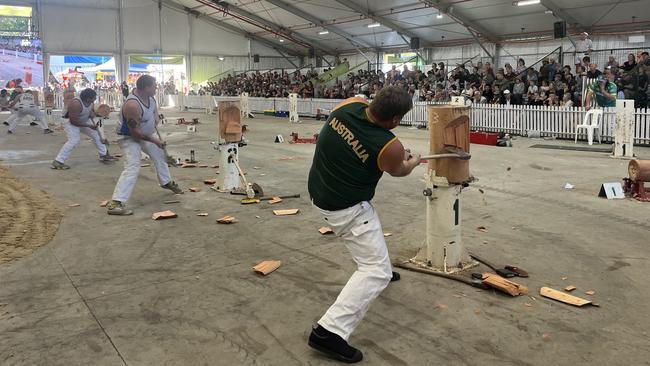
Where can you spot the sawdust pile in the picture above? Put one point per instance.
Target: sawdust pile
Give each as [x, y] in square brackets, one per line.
[29, 218]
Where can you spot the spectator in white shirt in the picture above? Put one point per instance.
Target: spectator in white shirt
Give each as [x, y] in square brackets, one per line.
[584, 46]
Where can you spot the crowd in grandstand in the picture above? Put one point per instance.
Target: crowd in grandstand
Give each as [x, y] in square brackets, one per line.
[548, 83]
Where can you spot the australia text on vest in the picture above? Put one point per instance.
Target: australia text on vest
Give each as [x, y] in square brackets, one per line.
[348, 136]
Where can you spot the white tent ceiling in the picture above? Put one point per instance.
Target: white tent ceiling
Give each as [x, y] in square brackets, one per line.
[298, 22]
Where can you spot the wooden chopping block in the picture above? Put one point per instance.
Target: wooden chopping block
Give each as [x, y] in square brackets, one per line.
[266, 267]
[639, 170]
[103, 110]
[449, 126]
[230, 121]
[501, 284]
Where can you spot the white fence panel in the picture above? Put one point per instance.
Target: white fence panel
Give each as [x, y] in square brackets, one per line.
[559, 122]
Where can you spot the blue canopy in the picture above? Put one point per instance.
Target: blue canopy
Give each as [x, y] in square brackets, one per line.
[137, 68]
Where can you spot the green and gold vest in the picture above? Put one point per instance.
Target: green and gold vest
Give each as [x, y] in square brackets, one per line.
[345, 170]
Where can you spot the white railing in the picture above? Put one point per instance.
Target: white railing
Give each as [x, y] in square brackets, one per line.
[559, 122]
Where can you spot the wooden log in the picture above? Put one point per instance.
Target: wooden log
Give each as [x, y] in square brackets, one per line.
[449, 127]
[230, 121]
[639, 170]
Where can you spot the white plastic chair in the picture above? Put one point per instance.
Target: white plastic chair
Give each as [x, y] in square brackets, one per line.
[592, 122]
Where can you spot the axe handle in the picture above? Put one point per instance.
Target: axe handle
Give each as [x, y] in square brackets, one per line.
[442, 156]
[283, 197]
[481, 260]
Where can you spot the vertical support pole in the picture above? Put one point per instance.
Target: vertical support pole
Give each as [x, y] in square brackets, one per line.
[188, 63]
[624, 129]
[448, 126]
[444, 247]
[122, 62]
[293, 108]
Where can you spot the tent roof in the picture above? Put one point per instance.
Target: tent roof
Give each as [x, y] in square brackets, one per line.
[298, 22]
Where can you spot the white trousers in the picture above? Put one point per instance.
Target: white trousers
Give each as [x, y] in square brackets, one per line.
[131, 149]
[361, 230]
[74, 135]
[19, 114]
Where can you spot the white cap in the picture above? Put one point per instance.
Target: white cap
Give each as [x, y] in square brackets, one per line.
[506, 91]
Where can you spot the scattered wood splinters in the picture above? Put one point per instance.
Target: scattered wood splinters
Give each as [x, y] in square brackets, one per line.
[325, 230]
[226, 220]
[291, 211]
[266, 267]
[275, 200]
[167, 214]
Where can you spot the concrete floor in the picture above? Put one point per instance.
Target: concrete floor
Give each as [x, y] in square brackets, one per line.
[129, 290]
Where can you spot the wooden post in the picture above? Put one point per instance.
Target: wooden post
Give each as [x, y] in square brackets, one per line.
[230, 134]
[230, 121]
[449, 127]
[444, 252]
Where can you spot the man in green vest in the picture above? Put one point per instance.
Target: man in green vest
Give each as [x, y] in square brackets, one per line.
[355, 147]
[604, 90]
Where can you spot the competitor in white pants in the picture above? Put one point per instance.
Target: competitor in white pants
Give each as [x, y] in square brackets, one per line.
[80, 120]
[25, 105]
[138, 121]
[355, 147]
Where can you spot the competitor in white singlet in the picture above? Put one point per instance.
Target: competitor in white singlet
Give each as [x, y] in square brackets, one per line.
[23, 105]
[139, 117]
[80, 120]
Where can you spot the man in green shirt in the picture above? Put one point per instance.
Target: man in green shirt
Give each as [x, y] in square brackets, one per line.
[604, 90]
[355, 147]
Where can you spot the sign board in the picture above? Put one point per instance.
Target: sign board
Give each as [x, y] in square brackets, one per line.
[611, 191]
[636, 39]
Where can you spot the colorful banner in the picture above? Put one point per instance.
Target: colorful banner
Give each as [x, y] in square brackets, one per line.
[149, 59]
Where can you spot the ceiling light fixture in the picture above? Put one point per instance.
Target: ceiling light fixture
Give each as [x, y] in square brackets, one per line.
[373, 25]
[220, 58]
[439, 16]
[323, 32]
[281, 40]
[526, 2]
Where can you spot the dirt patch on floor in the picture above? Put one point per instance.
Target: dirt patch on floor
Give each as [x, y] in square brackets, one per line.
[29, 218]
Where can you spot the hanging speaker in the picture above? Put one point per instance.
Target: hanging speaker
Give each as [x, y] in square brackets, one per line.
[559, 29]
[256, 58]
[319, 62]
[415, 43]
[312, 52]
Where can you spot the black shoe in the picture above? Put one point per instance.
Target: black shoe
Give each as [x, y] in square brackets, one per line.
[396, 277]
[33, 124]
[333, 345]
[5, 123]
